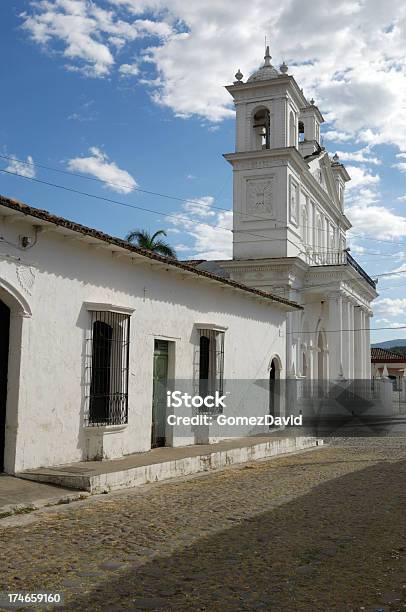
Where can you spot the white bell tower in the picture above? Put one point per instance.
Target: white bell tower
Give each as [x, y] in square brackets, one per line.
[273, 121]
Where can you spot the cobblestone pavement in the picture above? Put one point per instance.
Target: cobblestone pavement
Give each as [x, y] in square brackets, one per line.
[323, 530]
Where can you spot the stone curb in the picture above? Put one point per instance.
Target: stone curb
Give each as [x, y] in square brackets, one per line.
[14, 509]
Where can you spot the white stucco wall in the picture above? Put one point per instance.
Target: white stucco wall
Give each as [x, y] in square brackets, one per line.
[54, 279]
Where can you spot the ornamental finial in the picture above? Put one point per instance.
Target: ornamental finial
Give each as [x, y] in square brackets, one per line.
[267, 57]
[283, 68]
[238, 75]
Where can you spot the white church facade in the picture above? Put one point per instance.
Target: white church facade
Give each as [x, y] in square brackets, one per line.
[289, 227]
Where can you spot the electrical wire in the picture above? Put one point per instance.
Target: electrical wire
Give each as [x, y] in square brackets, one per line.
[195, 202]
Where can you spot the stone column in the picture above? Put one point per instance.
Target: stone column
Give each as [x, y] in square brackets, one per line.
[367, 346]
[345, 339]
[359, 344]
[314, 230]
[351, 340]
[335, 341]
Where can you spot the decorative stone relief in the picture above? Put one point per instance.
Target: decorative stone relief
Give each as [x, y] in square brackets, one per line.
[26, 278]
[293, 201]
[259, 197]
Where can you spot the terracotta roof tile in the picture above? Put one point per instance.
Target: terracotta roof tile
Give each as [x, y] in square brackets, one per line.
[119, 242]
[379, 354]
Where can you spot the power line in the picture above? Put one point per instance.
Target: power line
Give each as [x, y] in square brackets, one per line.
[195, 202]
[133, 206]
[125, 204]
[328, 331]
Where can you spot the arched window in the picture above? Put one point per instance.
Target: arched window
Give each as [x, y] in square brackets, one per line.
[319, 234]
[262, 129]
[292, 130]
[305, 369]
[305, 227]
[108, 356]
[211, 362]
[333, 246]
[301, 131]
[204, 357]
[100, 384]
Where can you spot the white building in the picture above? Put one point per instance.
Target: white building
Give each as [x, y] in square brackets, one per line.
[88, 324]
[290, 227]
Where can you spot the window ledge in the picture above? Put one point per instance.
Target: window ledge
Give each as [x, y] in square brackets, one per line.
[99, 429]
[103, 307]
[211, 326]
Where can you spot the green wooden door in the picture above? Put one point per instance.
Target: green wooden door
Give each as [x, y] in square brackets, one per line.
[159, 392]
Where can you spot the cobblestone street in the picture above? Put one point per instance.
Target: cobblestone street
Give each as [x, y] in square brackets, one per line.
[317, 531]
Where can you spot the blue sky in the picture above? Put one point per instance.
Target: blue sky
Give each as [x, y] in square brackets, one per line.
[130, 91]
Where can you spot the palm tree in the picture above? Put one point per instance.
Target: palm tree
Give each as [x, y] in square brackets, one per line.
[146, 240]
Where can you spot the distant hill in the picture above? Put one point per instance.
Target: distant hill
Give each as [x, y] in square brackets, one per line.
[390, 344]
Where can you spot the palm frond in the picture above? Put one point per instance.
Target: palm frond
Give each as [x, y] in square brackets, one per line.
[158, 233]
[146, 240]
[163, 248]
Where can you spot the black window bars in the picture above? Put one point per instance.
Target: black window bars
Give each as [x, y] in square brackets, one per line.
[107, 358]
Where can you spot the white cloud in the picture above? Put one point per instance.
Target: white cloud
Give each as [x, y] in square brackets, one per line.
[336, 136]
[348, 55]
[200, 206]
[19, 167]
[365, 210]
[129, 69]
[361, 156]
[400, 166]
[211, 233]
[90, 35]
[391, 306]
[361, 178]
[97, 164]
[399, 272]
[377, 221]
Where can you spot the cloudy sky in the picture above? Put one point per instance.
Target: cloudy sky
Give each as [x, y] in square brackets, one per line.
[131, 92]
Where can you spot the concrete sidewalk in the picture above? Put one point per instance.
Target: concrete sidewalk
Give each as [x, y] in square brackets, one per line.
[163, 463]
[19, 496]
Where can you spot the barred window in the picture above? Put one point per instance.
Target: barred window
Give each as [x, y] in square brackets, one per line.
[107, 369]
[211, 361]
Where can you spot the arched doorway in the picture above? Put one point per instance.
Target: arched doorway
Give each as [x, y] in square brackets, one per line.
[322, 362]
[15, 312]
[305, 365]
[321, 375]
[4, 350]
[274, 390]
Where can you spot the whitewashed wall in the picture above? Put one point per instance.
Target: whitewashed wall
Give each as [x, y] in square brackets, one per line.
[51, 282]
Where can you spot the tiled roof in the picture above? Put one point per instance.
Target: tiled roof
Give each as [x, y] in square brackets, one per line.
[381, 355]
[44, 215]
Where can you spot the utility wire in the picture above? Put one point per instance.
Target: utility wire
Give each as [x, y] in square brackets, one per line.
[127, 205]
[134, 206]
[349, 330]
[196, 202]
[175, 216]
